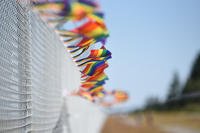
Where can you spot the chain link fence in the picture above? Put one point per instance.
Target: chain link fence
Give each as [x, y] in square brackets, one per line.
[35, 72]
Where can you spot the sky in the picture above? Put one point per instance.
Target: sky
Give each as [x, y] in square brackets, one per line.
[150, 40]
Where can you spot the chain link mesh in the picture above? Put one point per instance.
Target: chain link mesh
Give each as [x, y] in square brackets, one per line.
[30, 71]
[34, 70]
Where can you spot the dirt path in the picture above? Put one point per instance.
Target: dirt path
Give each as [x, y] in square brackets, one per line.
[178, 129]
[166, 128]
[125, 125]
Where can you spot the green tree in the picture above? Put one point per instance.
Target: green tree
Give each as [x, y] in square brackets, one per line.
[175, 89]
[193, 83]
[152, 102]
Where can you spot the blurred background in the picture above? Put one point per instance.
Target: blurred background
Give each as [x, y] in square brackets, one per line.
[156, 59]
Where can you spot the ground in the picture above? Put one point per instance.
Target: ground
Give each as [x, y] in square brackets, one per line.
[154, 122]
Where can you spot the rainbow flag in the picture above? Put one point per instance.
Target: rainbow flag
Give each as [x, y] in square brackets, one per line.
[85, 61]
[120, 96]
[84, 42]
[80, 11]
[87, 96]
[97, 17]
[99, 53]
[95, 55]
[99, 94]
[96, 89]
[56, 9]
[91, 3]
[98, 77]
[94, 67]
[92, 84]
[92, 29]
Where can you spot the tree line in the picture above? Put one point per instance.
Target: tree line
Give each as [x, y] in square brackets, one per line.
[179, 95]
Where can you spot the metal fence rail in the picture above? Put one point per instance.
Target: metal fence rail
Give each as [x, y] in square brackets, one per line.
[35, 70]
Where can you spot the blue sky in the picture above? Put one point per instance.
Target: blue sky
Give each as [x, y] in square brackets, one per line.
[150, 40]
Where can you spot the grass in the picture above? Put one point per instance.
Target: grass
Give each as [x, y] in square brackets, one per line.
[182, 119]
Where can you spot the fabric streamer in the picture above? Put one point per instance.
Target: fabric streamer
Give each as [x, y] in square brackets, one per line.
[80, 41]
